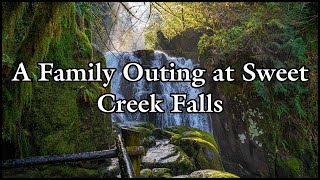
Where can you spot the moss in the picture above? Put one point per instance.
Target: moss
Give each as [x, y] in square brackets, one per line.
[166, 175]
[55, 171]
[142, 130]
[205, 153]
[55, 123]
[84, 45]
[290, 167]
[88, 33]
[176, 139]
[147, 125]
[175, 159]
[202, 135]
[56, 118]
[161, 134]
[209, 173]
[146, 173]
[161, 172]
[198, 145]
[183, 165]
[144, 134]
[11, 14]
[33, 48]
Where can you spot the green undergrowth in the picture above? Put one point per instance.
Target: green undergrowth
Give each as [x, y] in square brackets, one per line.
[51, 117]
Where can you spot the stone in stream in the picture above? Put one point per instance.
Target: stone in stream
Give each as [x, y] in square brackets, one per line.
[210, 173]
[146, 173]
[167, 155]
[181, 176]
[112, 170]
[181, 149]
[156, 173]
[161, 172]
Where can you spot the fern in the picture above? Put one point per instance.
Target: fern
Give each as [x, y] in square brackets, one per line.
[281, 109]
[297, 104]
[279, 88]
[261, 90]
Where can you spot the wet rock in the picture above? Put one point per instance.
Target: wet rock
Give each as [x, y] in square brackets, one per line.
[146, 125]
[181, 176]
[145, 132]
[146, 173]
[209, 173]
[167, 155]
[145, 55]
[199, 145]
[161, 172]
[149, 141]
[161, 134]
[112, 170]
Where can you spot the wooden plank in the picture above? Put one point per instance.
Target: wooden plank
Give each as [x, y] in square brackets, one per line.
[59, 158]
[37, 160]
[125, 164]
[131, 140]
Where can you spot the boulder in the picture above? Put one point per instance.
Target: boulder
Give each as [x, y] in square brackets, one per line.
[209, 173]
[199, 145]
[146, 173]
[161, 172]
[181, 176]
[167, 155]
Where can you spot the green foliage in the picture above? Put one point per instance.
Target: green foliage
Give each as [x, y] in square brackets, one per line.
[280, 35]
[54, 171]
[51, 118]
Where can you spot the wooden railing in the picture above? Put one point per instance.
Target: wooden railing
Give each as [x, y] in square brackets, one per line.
[125, 157]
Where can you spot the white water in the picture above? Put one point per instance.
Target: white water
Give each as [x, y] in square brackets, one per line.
[141, 89]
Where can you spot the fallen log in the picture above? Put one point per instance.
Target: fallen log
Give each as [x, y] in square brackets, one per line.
[50, 159]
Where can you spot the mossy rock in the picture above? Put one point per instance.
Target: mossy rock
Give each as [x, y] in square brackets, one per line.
[289, 167]
[165, 155]
[199, 145]
[148, 142]
[145, 55]
[176, 139]
[209, 173]
[186, 131]
[161, 172]
[166, 175]
[142, 130]
[144, 135]
[181, 176]
[146, 173]
[203, 153]
[162, 134]
[146, 125]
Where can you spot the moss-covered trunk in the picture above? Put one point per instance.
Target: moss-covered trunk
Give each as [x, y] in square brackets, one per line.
[50, 117]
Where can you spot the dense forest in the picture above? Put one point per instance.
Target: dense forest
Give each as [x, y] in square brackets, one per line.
[273, 125]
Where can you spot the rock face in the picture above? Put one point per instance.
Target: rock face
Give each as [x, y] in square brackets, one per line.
[241, 154]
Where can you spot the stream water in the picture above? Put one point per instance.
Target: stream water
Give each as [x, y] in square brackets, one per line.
[141, 90]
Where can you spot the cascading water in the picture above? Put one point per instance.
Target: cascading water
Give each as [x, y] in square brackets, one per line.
[141, 90]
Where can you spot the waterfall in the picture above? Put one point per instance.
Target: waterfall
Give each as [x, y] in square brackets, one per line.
[141, 90]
